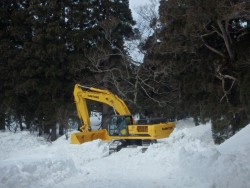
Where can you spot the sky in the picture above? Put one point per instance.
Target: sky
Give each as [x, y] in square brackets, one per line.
[134, 4]
[143, 26]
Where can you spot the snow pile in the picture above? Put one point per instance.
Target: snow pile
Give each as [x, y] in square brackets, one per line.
[35, 171]
[81, 154]
[13, 145]
[188, 158]
[226, 165]
[26, 162]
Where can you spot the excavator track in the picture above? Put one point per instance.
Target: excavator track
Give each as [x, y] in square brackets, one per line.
[117, 145]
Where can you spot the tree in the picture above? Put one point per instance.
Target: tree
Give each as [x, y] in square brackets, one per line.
[102, 35]
[205, 39]
[47, 50]
[37, 81]
[14, 31]
[155, 82]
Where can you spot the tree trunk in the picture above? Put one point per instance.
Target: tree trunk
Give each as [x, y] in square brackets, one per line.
[106, 114]
[27, 122]
[40, 131]
[61, 128]
[46, 129]
[53, 133]
[19, 120]
[226, 38]
[2, 121]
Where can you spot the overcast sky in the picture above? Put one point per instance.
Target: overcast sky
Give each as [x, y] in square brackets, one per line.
[133, 4]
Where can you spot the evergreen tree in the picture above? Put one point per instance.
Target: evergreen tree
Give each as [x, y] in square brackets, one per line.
[47, 71]
[45, 48]
[206, 40]
[14, 31]
[99, 43]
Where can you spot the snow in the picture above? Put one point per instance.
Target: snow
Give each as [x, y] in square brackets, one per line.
[188, 158]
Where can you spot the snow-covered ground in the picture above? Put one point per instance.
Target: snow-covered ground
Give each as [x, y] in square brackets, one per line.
[188, 158]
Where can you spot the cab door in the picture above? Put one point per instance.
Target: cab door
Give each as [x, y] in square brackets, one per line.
[118, 126]
[122, 126]
[112, 126]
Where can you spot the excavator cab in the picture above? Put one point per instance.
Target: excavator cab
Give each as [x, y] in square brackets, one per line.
[118, 125]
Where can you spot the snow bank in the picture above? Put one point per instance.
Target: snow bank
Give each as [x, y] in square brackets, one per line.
[188, 158]
[226, 165]
[17, 143]
[35, 171]
[29, 161]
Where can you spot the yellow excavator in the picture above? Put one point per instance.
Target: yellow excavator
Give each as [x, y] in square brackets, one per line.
[122, 128]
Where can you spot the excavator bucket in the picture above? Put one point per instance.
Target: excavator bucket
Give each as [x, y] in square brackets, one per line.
[81, 137]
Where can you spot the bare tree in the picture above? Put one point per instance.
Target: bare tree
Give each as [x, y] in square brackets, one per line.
[124, 75]
[230, 28]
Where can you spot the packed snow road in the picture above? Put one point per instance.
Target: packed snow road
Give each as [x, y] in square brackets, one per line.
[188, 158]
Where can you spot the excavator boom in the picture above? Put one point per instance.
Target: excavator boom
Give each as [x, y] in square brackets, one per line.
[81, 93]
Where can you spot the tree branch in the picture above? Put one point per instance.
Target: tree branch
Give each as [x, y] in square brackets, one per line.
[213, 49]
[226, 40]
[222, 77]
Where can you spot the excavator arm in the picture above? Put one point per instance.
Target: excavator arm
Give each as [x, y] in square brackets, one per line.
[83, 93]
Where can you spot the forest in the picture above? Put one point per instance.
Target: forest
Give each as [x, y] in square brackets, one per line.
[196, 61]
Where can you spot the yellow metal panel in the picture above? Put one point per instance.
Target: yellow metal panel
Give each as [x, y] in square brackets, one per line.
[81, 137]
[154, 131]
